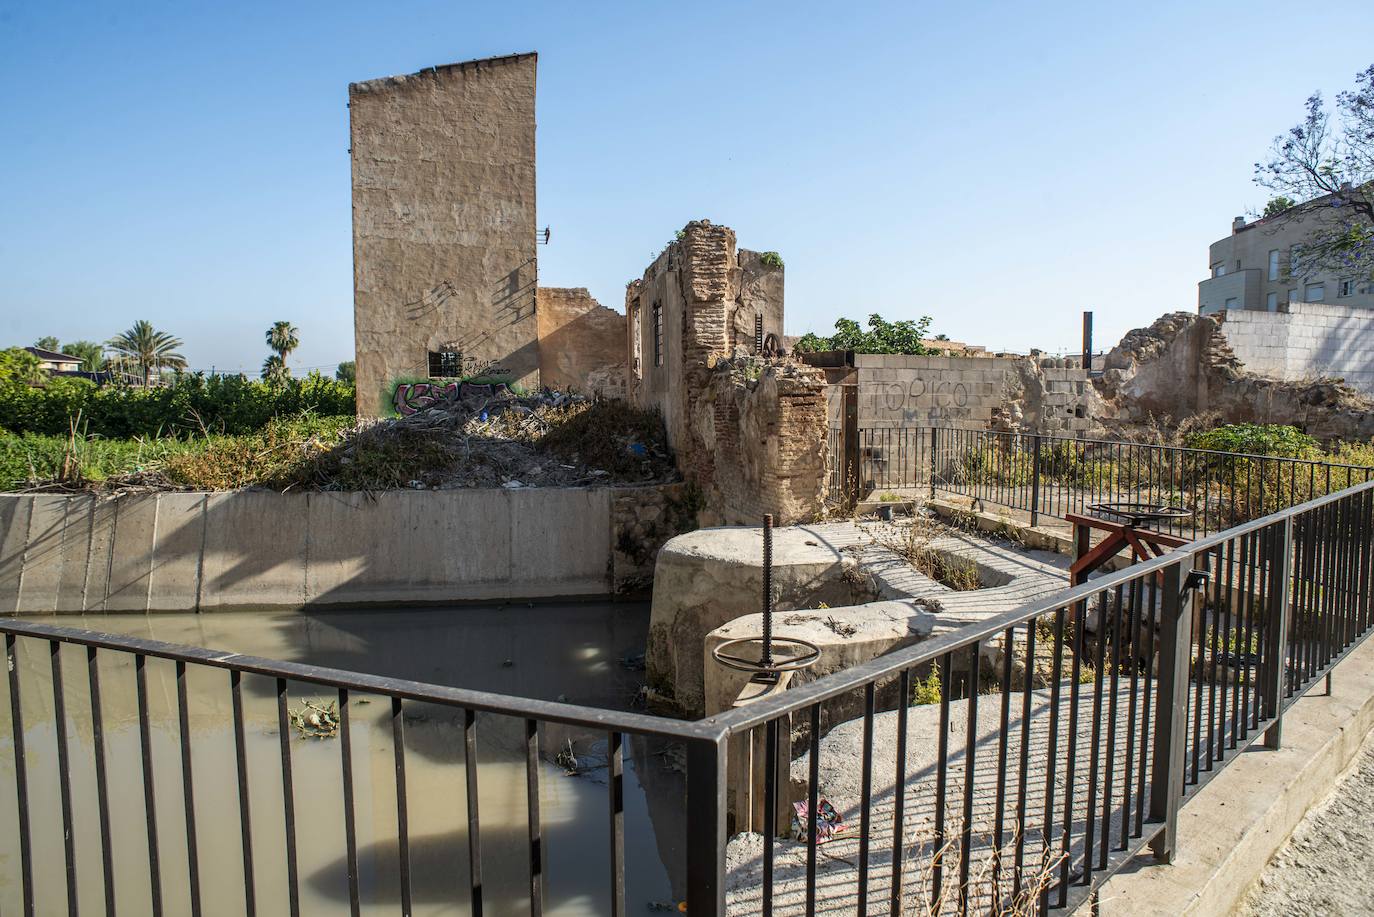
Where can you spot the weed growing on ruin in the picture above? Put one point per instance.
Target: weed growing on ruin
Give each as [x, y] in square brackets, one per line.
[927, 690]
[771, 259]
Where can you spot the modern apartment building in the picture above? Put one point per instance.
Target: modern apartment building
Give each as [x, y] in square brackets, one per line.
[1255, 267]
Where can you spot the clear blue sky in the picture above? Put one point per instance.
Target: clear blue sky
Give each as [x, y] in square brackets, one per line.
[999, 166]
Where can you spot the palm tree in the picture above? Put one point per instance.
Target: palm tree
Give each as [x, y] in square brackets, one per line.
[282, 337]
[274, 370]
[149, 348]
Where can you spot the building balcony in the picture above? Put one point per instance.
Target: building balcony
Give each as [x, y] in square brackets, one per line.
[1237, 290]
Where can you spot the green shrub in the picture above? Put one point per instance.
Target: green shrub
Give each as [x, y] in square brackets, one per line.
[194, 404]
[1257, 439]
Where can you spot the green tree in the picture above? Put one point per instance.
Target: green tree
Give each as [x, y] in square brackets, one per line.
[1278, 205]
[48, 343]
[18, 365]
[347, 372]
[1331, 159]
[92, 354]
[274, 370]
[148, 349]
[882, 336]
[282, 337]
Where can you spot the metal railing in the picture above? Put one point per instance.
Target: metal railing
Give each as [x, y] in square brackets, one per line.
[1065, 734]
[1061, 738]
[1054, 475]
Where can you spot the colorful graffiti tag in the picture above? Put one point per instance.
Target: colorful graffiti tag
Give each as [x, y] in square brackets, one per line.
[410, 397]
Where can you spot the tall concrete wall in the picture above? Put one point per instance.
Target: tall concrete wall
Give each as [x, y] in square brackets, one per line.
[444, 223]
[1309, 341]
[215, 551]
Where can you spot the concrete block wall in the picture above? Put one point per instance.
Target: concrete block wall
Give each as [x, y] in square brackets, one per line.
[1310, 341]
[255, 549]
[898, 390]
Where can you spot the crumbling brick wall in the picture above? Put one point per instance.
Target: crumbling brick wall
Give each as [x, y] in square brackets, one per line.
[762, 424]
[748, 432]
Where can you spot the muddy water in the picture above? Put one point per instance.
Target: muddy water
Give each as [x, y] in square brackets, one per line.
[545, 651]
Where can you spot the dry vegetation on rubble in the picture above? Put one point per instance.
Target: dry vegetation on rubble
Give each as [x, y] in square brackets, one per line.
[542, 440]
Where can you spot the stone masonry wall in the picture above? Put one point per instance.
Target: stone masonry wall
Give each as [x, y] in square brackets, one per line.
[974, 393]
[581, 342]
[444, 223]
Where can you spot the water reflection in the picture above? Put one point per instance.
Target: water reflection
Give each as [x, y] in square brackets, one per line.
[545, 651]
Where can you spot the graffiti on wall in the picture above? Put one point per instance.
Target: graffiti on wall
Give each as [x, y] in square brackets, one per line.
[410, 397]
[938, 400]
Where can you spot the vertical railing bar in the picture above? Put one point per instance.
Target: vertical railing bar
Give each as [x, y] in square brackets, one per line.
[770, 807]
[64, 773]
[1146, 698]
[1004, 718]
[535, 840]
[1094, 759]
[1230, 662]
[474, 816]
[615, 791]
[188, 793]
[21, 781]
[350, 815]
[288, 795]
[812, 804]
[1023, 762]
[101, 783]
[1109, 776]
[398, 748]
[241, 771]
[970, 759]
[145, 744]
[937, 868]
[899, 792]
[1133, 622]
[1070, 760]
[1209, 672]
[865, 799]
[706, 772]
[1057, 673]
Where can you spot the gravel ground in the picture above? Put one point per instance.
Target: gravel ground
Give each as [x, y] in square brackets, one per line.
[1327, 865]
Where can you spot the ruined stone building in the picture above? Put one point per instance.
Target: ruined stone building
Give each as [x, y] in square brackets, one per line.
[704, 323]
[445, 266]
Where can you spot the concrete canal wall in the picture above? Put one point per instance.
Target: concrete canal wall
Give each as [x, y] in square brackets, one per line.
[219, 551]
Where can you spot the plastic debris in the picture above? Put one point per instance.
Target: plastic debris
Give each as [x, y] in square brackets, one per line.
[829, 823]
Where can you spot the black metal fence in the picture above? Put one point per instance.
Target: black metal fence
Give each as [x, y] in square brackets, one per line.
[1010, 765]
[1054, 475]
